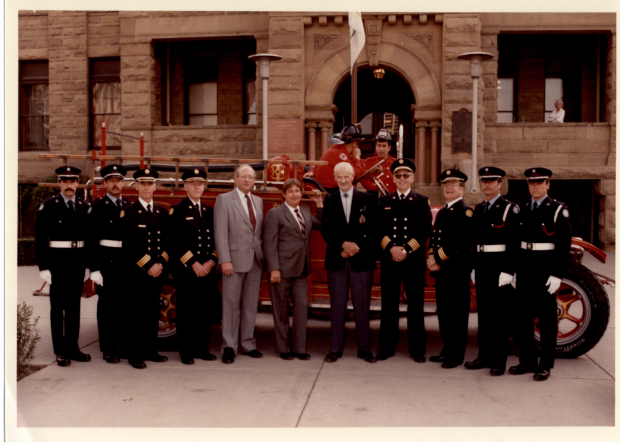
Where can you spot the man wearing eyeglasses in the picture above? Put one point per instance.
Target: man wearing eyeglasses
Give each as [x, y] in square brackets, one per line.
[238, 217]
[404, 227]
[449, 260]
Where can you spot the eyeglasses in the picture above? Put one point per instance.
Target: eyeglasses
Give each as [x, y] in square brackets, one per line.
[246, 177]
[398, 176]
[452, 184]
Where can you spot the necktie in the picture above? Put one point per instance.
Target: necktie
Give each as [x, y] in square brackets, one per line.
[346, 206]
[301, 222]
[487, 206]
[402, 196]
[446, 206]
[119, 204]
[534, 206]
[199, 212]
[251, 213]
[148, 209]
[71, 207]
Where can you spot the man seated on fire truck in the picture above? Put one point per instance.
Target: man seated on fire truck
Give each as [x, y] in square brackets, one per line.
[383, 144]
[345, 149]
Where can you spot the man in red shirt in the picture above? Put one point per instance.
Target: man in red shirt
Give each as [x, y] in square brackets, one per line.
[382, 148]
[346, 151]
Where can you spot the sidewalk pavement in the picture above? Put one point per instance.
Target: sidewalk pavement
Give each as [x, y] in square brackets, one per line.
[270, 393]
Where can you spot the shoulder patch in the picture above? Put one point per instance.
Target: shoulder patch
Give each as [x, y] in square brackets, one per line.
[565, 213]
[122, 214]
[171, 211]
[41, 206]
[469, 213]
[343, 157]
[515, 208]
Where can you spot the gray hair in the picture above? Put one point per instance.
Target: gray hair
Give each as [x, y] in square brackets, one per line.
[344, 165]
[559, 100]
[245, 166]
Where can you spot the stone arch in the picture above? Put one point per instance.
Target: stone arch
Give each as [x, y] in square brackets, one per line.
[334, 66]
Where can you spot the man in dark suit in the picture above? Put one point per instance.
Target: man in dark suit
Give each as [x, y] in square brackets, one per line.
[449, 258]
[287, 248]
[145, 241]
[239, 243]
[495, 245]
[60, 231]
[545, 240]
[194, 258]
[348, 227]
[405, 223]
[106, 242]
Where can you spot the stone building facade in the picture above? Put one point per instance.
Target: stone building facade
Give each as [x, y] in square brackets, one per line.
[184, 81]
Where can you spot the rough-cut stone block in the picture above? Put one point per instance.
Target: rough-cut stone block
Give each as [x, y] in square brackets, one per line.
[459, 67]
[605, 187]
[286, 111]
[453, 24]
[452, 96]
[509, 133]
[577, 146]
[286, 84]
[587, 159]
[461, 39]
[289, 55]
[598, 133]
[554, 132]
[286, 26]
[458, 82]
[287, 70]
[277, 42]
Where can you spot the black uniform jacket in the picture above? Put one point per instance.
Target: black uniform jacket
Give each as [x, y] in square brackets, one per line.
[104, 222]
[500, 225]
[361, 230]
[145, 242]
[193, 238]
[56, 223]
[451, 235]
[549, 223]
[405, 223]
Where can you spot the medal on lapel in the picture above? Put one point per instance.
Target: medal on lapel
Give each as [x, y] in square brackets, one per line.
[362, 219]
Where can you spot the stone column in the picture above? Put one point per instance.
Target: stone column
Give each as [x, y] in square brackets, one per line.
[326, 128]
[435, 125]
[421, 154]
[311, 129]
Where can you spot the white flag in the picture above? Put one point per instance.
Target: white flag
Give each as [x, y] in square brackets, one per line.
[357, 35]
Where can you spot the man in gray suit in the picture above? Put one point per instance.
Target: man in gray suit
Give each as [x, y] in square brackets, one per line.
[287, 248]
[238, 240]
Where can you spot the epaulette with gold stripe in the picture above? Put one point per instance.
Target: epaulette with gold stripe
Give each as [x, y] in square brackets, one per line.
[413, 243]
[186, 257]
[385, 242]
[165, 256]
[144, 260]
[430, 251]
[214, 253]
[442, 254]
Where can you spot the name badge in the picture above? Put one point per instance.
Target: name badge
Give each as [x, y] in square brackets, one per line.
[142, 225]
[388, 208]
[189, 217]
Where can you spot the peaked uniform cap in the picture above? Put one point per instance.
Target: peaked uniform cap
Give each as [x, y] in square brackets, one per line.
[68, 173]
[194, 175]
[453, 175]
[145, 175]
[491, 173]
[402, 163]
[113, 170]
[537, 174]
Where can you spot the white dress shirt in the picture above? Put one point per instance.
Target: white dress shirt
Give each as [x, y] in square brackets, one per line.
[244, 201]
[346, 202]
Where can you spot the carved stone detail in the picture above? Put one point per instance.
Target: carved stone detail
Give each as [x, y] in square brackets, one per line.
[373, 41]
[322, 40]
[425, 40]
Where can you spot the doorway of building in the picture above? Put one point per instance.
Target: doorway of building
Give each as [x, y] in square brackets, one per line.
[381, 102]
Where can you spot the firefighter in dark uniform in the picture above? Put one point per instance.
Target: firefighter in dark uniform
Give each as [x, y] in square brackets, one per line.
[405, 226]
[105, 249]
[545, 240]
[449, 258]
[145, 245]
[193, 259]
[60, 231]
[495, 246]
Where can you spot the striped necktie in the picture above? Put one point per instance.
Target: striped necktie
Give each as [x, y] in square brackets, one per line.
[301, 222]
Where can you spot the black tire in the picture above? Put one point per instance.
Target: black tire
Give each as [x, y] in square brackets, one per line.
[583, 297]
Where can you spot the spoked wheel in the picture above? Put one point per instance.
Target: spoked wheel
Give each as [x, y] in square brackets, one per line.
[167, 310]
[582, 313]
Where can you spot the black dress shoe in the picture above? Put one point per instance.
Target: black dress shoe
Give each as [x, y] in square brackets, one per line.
[542, 374]
[498, 371]
[156, 357]
[420, 359]
[437, 359]
[520, 369]
[449, 365]
[382, 357]
[79, 356]
[254, 354]
[63, 361]
[111, 359]
[476, 364]
[287, 356]
[302, 356]
[207, 357]
[187, 361]
[137, 364]
[333, 356]
[229, 356]
[367, 356]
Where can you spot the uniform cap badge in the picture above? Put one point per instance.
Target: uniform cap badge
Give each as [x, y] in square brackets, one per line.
[196, 171]
[401, 161]
[114, 167]
[533, 170]
[448, 172]
[147, 171]
[68, 169]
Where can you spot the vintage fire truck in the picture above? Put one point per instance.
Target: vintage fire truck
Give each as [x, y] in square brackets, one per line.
[582, 302]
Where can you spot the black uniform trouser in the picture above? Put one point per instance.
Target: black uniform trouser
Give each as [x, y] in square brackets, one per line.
[453, 299]
[143, 313]
[193, 312]
[111, 310]
[493, 328]
[65, 297]
[412, 273]
[535, 299]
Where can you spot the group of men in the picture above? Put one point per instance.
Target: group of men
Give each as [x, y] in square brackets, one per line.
[129, 248]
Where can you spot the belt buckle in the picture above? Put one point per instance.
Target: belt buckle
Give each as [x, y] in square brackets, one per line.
[530, 246]
[73, 244]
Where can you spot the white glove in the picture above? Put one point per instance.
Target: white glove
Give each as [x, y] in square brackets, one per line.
[86, 275]
[504, 279]
[46, 276]
[473, 276]
[514, 282]
[554, 284]
[97, 278]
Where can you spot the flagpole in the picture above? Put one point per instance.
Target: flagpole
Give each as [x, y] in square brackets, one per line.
[354, 94]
